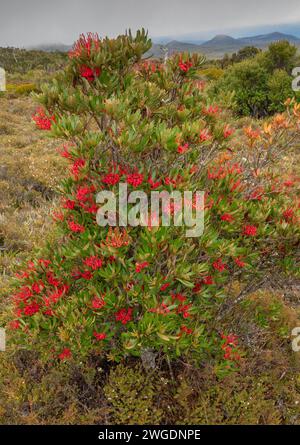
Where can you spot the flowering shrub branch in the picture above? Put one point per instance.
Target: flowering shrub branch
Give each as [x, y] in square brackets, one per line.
[119, 291]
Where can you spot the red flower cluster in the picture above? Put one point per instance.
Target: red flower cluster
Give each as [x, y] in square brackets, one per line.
[93, 262]
[154, 184]
[182, 148]
[135, 179]
[99, 335]
[164, 287]
[205, 135]
[211, 110]
[227, 217]
[65, 354]
[186, 330]
[111, 179]
[229, 343]
[76, 167]
[43, 121]
[219, 265]
[288, 215]
[124, 315]
[98, 302]
[227, 132]
[75, 227]
[249, 230]
[86, 199]
[89, 73]
[84, 45]
[185, 66]
[239, 262]
[140, 266]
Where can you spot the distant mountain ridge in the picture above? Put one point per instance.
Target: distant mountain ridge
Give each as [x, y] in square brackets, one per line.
[214, 48]
[223, 43]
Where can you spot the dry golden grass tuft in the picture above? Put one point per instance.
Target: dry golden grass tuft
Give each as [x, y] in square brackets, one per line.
[30, 170]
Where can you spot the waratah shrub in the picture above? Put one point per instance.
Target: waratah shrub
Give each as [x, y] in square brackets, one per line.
[119, 291]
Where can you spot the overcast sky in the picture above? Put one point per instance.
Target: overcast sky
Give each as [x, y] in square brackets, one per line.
[29, 22]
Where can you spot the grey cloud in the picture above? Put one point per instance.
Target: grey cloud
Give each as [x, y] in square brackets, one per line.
[29, 22]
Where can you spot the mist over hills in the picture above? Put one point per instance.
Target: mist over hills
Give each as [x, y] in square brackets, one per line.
[213, 48]
[221, 44]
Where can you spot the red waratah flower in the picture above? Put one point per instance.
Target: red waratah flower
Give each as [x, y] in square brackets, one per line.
[230, 339]
[31, 309]
[179, 297]
[164, 287]
[93, 262]
[184, 310]
[84, 45]
[154, 184]
[124, 315]
[140, 266]
[23, 295]
[22, 275]
[211, 110]
[99, 335]
[89, 73]
[55, 296]
[219, 265]
[170, 181]
[186, 330]
[111, 179]
[289, 183]
[69, 204]
[58, 216]
[227, 217]
[229, 342]
[197, 287]
[77, 166]
[64, 152]
[82, 193]
[98, 302]
[76, 228]
[44, 263]
[205, 135]
[13, 325]
[65, 354]
[288, 214]
[37, 287]
[135, 179]
[185, 66]
[49, 312]
[86, 275]
[52, 280]
[182, 148]
[235, 185]
[227, 132]
[162, 309]
[239, 262]
[43, 121]
[249, 230]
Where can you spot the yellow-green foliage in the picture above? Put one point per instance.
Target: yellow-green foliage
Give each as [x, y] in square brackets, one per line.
[212, 73]
[22, 89]
[131, 393]
[25, 89]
